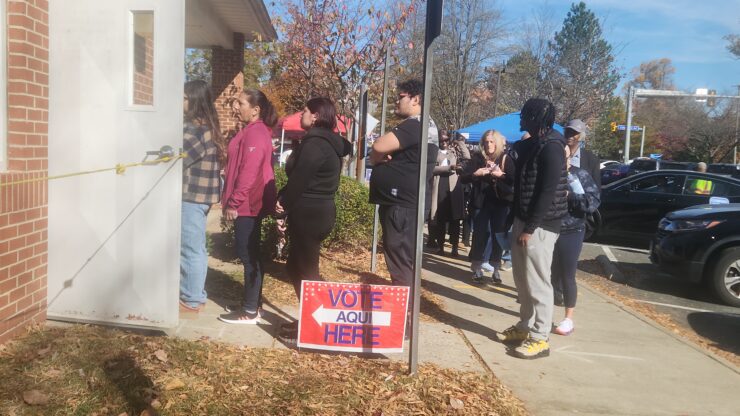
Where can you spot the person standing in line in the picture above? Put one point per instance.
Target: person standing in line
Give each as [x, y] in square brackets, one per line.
[307, 200]
[249, 195]
[201, 186]
[394, 182]
[540, 202]
[492, 176]
[583, 199]
[575, 135]
[447, 198]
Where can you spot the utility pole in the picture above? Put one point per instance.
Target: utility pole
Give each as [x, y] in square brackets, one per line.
[630, 97]
[499, 71]
[737, 125]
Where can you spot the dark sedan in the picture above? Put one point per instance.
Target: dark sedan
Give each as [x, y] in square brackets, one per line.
[613, 173]
[702, 244]
[632, 207]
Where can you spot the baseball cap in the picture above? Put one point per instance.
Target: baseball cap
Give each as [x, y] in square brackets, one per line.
[576, 125]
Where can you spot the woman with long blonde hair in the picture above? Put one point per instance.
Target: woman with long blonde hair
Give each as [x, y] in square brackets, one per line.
[492, 175]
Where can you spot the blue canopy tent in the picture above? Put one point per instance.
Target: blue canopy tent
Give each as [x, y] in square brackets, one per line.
[508, 125]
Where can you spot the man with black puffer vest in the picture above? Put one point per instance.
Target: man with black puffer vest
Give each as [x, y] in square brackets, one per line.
[540, 201]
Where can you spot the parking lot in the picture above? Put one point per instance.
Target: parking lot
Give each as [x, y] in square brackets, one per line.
[690, 306]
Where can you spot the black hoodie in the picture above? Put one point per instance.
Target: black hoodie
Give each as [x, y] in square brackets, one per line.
[313, 168]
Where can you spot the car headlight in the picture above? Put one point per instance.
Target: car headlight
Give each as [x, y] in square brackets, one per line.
[687, 225]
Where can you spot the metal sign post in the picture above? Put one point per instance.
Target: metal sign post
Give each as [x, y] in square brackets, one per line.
[383, 109]
[628, 130]
[432, 31]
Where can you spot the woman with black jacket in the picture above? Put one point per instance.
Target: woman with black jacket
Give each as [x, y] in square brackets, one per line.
[307, 200]
[492, 175]
[583, 199]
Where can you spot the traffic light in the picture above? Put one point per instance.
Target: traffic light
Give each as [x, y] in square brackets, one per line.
[614, 126]
[711, 101]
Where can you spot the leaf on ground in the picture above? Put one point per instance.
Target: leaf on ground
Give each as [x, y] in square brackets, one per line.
[174, 384]
[161, 355]
[43, 351]
[457, 403]
[35, 398]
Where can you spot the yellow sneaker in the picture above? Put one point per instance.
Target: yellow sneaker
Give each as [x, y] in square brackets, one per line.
[532, 348]
[512, 335]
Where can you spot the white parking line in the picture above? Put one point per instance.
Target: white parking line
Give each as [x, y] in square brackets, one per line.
[668, 305]
[631, 249]
[609, 254]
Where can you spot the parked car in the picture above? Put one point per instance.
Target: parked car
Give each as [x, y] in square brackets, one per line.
[724, 169]
[643, 164]
[607, 163]
[613, 173]
[702, 244]
[632, 207]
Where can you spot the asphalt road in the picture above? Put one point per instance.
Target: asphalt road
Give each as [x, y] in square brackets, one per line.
[692, 306]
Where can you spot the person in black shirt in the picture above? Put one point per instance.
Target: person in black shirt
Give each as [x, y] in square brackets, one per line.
[540, 202]
[394, 182]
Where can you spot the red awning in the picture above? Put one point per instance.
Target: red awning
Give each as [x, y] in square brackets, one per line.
[292, 125]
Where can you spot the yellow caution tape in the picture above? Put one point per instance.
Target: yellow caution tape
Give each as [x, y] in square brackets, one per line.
[119, 168]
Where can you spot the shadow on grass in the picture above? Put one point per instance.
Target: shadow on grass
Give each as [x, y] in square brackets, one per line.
[135, 386]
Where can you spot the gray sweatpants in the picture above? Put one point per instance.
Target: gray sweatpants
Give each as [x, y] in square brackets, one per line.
[531, 268]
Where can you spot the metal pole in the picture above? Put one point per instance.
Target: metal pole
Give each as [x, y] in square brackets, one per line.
[361, 146]
[431, 32]
[630, 95]
[282, 144]
[498, 84]
[642, 141]
[737, 125]
[383, 109]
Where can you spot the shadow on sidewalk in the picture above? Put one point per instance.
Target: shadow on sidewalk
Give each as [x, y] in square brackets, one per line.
[720, 328]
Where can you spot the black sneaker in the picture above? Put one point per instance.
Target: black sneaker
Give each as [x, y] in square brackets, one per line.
[240, 317]
[237, 307]
[496, 278]
[478, 278]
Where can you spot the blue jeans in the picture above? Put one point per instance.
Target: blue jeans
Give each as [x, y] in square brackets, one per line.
[193, 253]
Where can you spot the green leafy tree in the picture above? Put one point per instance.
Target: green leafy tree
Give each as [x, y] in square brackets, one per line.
[580, 76]
[198, 64]
[603, 141]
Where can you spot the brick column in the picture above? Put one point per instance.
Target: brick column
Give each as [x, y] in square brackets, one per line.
[23, 208]
[227, 80]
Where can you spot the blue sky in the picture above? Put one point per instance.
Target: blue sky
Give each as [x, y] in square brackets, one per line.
[689, 32]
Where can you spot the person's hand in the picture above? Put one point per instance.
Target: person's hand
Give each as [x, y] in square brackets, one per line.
[524, 239]
[281, 226]
[482, 172]
[496, 171]
[279, 208]
[231, 214]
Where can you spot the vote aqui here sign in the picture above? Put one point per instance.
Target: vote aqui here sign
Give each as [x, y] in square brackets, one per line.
[352, 317]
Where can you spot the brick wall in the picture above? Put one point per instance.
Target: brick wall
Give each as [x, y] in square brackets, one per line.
[144, 70]
[23, 208]
[227, 80]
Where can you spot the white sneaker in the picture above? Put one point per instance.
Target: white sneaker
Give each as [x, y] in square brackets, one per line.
[565, 327]
[487, 267]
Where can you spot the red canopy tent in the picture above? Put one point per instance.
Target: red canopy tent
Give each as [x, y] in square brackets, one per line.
[290, 127]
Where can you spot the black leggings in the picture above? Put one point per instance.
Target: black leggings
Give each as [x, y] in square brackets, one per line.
[310, 221]
[564, 264]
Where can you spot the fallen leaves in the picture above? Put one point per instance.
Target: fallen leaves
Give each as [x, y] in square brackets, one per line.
[161, 355]
[174, 384]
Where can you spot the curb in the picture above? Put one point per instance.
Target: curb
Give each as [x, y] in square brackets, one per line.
[617, 276]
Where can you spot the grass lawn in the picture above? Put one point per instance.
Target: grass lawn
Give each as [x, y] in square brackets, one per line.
[91, 370]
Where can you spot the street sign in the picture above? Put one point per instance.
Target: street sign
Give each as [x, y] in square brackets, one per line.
[622, 127]
[352, 317]
[656, 156]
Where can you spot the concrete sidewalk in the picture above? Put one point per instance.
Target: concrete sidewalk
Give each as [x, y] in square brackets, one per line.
[614, 363]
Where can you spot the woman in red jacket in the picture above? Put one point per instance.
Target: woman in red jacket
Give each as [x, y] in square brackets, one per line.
[249, 195]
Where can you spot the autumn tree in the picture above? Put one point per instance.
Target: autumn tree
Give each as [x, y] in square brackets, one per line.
[331, 48]
[655, 74]
[608, 144]
[579, 74]
[470, 41]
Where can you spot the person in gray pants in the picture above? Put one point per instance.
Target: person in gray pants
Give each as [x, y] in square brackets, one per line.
[540, 201]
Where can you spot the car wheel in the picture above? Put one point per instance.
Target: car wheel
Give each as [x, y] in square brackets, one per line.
[593, 222]
[726, 277]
